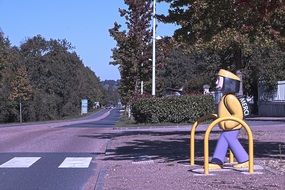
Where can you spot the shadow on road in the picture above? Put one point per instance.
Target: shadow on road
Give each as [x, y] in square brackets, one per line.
[174, 145]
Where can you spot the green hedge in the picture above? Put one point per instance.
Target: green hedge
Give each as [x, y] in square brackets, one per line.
[175, 109]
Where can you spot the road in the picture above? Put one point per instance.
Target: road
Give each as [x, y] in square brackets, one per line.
[59, 155]
[53, 156]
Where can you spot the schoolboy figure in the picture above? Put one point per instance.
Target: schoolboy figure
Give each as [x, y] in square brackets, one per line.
[229, 105]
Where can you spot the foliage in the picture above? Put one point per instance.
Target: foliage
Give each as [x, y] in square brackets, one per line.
[201, 20]
[132, 52]
[234, 35]
[21, 90]
[111, 89]
[189, 69]
[8, 109]
[59, 78]
[172, 109]
[47, 77]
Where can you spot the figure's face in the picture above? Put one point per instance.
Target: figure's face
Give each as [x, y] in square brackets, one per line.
[219, 83]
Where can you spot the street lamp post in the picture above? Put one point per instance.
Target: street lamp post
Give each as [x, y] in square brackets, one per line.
[153, 50]
[141, 81]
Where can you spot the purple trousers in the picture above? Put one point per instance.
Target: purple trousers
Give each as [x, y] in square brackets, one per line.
[229, 140]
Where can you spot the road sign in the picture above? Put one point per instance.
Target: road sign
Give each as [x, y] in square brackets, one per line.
[84, 106]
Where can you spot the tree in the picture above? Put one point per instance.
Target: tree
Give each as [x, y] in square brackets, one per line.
[59, 79]
[236, 35]
[21, 90]
[8, 111]
[111, 92]
[202, 20]
[48, 75]
[132, 52]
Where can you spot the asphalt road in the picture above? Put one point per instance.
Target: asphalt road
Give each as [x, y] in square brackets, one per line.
[54, 156]
[109, 121]
[60, 155]
[264, 123]
[45, 173]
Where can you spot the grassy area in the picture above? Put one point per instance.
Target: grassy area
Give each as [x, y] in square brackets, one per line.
[71, 118]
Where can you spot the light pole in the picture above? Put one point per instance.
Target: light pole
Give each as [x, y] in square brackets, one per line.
[142, 81]
[153, 50]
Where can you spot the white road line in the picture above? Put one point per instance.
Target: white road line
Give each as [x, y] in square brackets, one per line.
[20, 162]
[76, 162]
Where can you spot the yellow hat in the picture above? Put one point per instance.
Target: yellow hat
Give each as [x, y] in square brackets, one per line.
[228, 74]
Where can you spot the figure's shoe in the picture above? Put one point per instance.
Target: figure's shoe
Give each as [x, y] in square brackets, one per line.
[242, 165]
[214, 166]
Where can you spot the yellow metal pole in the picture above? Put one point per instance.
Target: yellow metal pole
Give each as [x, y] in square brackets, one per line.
[192, 135]
[231, 157]
[192, 143]
[250, 145]
[206, 142]
[206, 146]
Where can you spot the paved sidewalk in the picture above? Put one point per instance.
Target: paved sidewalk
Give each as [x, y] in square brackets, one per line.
[158, 158]
[257, 118]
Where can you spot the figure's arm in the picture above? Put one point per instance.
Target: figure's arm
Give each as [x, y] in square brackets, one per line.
[234, 108]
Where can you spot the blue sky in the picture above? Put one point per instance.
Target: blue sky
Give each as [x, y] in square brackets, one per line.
[84, 23]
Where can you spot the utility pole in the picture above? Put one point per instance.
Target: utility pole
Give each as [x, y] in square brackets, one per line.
[153, 50]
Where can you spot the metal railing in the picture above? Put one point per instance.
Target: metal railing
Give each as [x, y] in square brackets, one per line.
[206, 140]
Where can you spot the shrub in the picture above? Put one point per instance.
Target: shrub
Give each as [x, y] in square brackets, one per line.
[175, 109]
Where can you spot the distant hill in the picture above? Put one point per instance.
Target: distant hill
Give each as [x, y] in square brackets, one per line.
[113, 83]
[111, 87]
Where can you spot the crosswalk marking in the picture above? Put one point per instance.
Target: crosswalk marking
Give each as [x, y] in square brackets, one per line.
[76, 162]
[26, 162]
[20, 162]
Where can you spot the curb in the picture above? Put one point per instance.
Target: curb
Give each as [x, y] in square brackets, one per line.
[266, 119]
[101, 179]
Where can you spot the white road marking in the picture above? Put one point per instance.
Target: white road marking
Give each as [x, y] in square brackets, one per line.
[144, 162]
[255, 167]
[20, 162]
[76, 162]
[247, 173]
[201, 170]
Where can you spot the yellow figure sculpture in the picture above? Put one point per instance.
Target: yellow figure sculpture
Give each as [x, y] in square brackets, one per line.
[229, 105]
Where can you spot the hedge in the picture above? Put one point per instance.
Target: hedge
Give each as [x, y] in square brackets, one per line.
[174, 109]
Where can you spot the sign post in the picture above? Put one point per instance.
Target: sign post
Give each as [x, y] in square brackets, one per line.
[84, 106]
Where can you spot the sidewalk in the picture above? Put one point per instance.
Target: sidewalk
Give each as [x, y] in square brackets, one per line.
[158, 158]
[257, 118]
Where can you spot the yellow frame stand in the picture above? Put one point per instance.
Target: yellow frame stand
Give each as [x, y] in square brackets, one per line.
[206, 140]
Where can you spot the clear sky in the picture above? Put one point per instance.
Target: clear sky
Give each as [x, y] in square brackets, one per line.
[83, 23]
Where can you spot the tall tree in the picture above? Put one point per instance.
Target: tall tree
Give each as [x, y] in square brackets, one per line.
[21, 90]
[230, 34]
[132, 52]
[59, 79]
[47, 77]
[201, 20]
[8, 110]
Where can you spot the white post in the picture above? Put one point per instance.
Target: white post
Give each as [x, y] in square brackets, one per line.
[142, 78]
[153, 51]
[239, 74]
[141, 87]
[21, 112]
